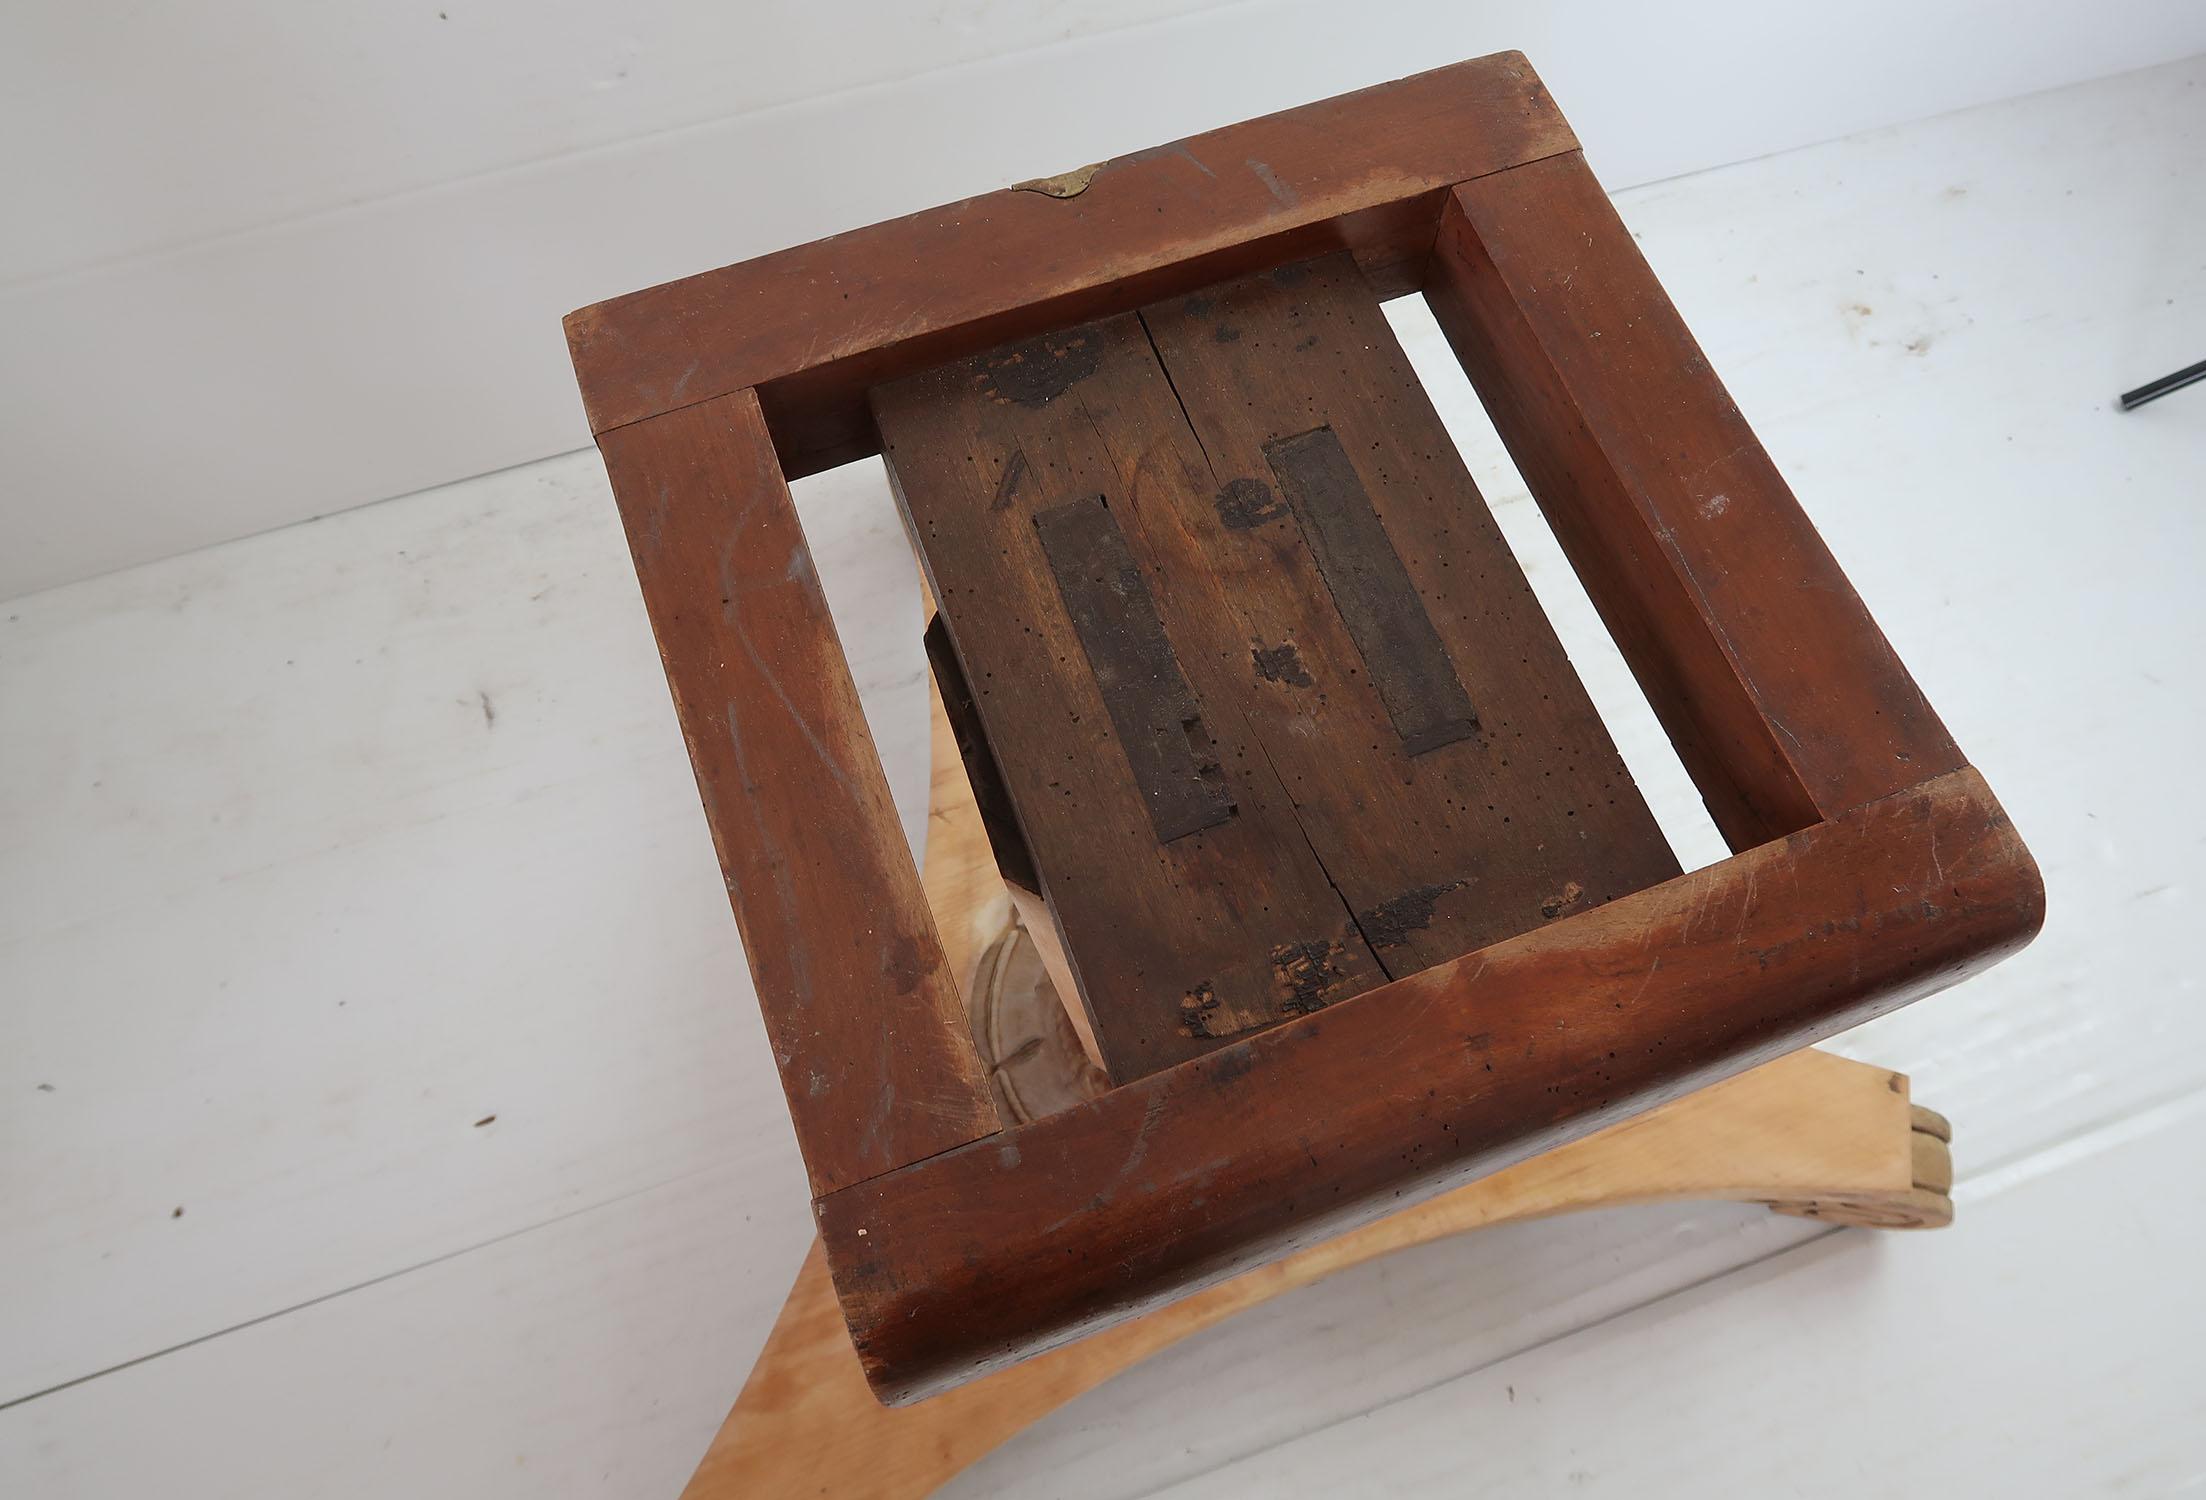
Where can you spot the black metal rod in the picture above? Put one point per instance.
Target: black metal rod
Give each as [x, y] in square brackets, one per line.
[2153, 390]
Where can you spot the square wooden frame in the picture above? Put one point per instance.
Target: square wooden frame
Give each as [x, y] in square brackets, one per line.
[1872, 864]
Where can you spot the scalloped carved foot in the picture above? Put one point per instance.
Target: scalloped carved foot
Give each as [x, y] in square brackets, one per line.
[1926, 1203]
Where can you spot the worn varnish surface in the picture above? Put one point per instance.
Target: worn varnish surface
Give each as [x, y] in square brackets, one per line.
[1002, 1249]
[865, 1019]
[812, 328]
[1223, 549]
[1781, 694]
[1191, 905]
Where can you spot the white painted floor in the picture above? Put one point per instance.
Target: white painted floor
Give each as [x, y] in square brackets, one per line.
[383, 1110]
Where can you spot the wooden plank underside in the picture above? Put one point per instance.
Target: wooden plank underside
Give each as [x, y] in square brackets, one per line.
[867, 1025]
[1341, 603]
[1191, 938]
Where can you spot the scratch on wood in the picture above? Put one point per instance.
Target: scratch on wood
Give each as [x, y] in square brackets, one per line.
[1281, 663]
[777, 868]
[1007, 488]
[1035, 372]
[1286, 196]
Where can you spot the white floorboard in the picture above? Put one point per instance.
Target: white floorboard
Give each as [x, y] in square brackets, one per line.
[318, 848]
[2044, 1348]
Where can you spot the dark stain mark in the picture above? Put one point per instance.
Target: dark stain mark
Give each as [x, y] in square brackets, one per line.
[1158, 721]
[1555, 905]
[1307, 974]
[1281, 663]
[1037, 371]
[1198, 307]
[45, 1088]
[1306, 343]
[1245, 504]
[1008, 486]
[1389, 924]
[1229, 1066]
[901, 966]
[486, 1120]
[177, 1212]
[490, 710]
[1293, 275]
[1226, 333]
[1371, 588]
[1481, 1042]
[1197, 1006]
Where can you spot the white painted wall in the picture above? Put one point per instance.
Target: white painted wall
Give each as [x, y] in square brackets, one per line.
[262, 261]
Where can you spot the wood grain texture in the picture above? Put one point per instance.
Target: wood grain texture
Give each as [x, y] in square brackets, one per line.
[814, 327]
[1784, 699]
[1819, 1135]
[864, 1016]
[1004, 1249]
[1382, 609]
[1178, 938]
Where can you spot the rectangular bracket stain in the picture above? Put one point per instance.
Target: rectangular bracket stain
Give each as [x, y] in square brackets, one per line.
[1158, 721]
[1385, 617]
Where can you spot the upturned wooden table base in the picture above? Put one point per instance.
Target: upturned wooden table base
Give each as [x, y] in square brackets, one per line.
[1810, 1134]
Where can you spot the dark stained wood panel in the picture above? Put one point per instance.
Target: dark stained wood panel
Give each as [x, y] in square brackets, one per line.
[1367, 574]
[1177, 943]
[1337, 602]
[1783, 698]
[867, 1026]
